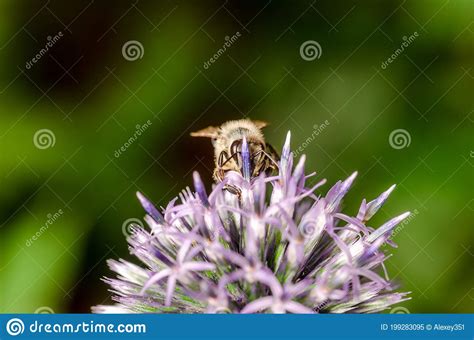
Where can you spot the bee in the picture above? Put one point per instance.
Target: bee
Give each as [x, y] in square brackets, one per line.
[227, 141]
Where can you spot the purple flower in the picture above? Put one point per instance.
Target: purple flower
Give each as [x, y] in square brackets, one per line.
[277, 247]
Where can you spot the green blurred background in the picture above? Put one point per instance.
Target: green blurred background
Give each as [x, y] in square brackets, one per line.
[91, 98]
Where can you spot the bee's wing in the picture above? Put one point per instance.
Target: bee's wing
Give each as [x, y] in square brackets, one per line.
[209, 132]
[260, 123]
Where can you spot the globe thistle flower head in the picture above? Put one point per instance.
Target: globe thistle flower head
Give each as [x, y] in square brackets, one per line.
[275, 247]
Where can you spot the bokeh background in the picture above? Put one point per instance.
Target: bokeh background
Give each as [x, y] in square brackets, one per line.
[85, 96]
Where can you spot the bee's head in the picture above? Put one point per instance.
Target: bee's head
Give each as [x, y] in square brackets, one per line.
[238, 156]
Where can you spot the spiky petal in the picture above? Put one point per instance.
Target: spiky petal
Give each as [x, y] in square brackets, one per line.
[276, 248]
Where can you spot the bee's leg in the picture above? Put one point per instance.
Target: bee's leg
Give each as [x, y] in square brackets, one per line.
[233, 190]
[272, 152]
[218, 175]
[272, 157]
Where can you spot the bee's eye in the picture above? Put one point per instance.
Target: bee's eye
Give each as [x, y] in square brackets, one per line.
[222, 158]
